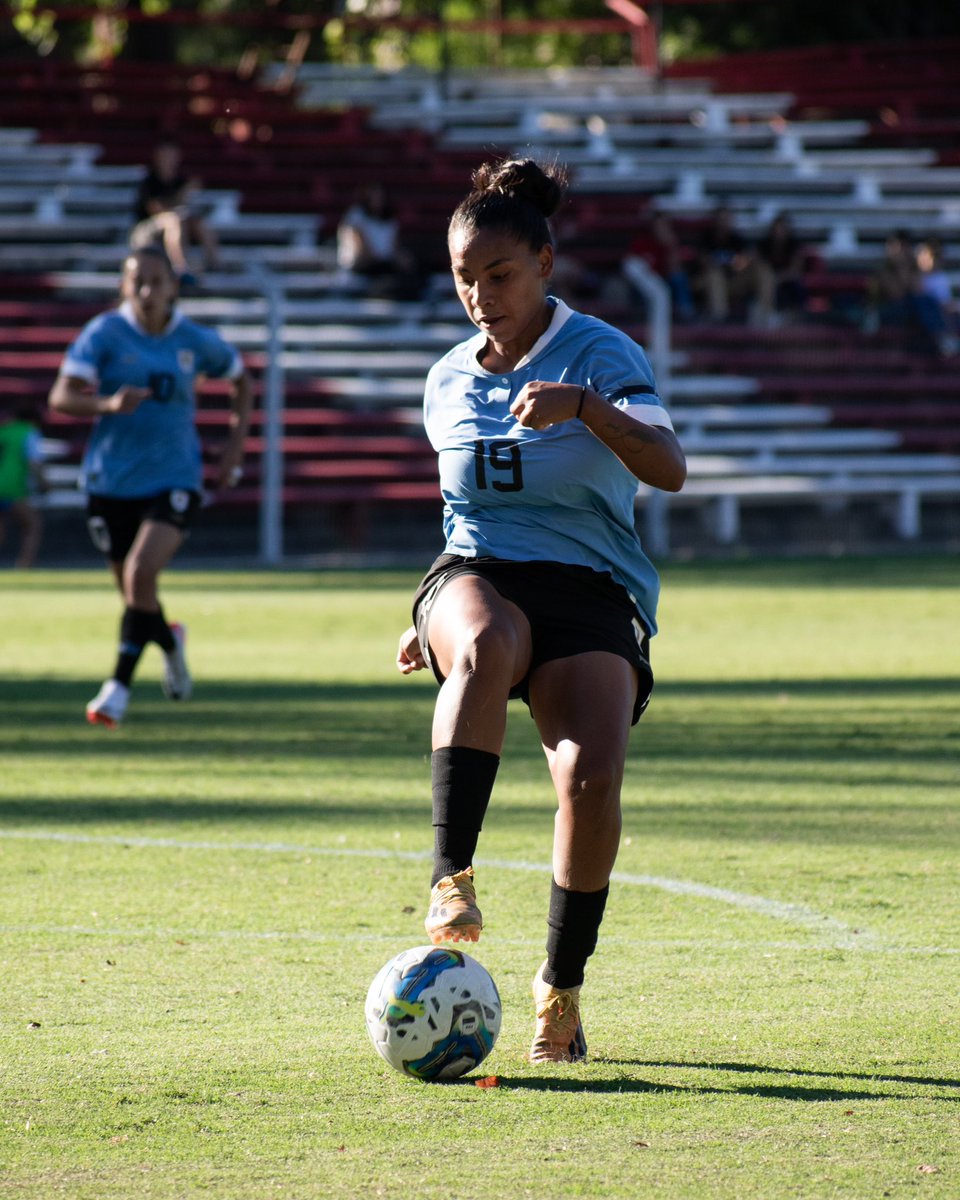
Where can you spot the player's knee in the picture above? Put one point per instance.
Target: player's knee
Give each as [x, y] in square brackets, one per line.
[588, 780]
[490, 648]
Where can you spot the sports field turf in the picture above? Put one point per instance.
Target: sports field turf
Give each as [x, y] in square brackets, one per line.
[192, 907]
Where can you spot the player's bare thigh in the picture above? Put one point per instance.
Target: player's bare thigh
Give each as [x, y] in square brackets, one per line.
[583, 707]
[154, 546]
[472, 626]
[585, 700]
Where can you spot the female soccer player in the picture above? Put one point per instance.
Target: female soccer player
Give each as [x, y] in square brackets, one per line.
[543, 422]
[134, 369]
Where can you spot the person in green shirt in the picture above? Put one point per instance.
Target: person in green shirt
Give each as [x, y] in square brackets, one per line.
[21, 476]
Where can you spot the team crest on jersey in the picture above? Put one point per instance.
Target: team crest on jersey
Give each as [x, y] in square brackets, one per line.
[186, 360]
[179, 500]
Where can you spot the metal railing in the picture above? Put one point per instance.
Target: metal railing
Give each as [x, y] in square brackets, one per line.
[656, 538]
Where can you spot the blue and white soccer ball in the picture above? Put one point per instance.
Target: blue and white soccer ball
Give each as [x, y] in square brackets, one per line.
[433, 1012]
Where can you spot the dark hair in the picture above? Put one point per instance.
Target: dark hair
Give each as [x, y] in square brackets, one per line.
[515, 196]
[151, 251]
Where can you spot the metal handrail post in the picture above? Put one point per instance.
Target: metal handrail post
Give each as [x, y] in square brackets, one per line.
[271, 469]
[656, 515]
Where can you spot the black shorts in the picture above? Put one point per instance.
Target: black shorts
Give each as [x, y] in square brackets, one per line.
[571, 610]
[114, 523]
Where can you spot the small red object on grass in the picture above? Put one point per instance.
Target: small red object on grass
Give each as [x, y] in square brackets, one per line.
[488, 1081]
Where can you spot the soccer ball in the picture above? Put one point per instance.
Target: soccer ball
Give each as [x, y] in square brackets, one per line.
[433, 1012]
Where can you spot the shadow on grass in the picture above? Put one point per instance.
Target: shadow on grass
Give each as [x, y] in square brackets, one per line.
[870, 572]
[756, 1069]
[197, 578]
[337, 734]
[779, 1090]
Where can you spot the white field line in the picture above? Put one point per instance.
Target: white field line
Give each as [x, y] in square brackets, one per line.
[839, 935]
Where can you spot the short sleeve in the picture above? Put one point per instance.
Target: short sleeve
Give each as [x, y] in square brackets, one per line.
[216, 358]
[620, 371]
[84, 358]
[33, 447]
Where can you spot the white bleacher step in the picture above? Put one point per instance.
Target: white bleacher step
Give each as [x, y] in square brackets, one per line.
[627, 173]
[716, 157]
[725, 496]
[815, 460]
[380, 391]
[872, 159]
[769, 444]
[220, 205]
[220, 284]
[698, 387]
[59, 256]
[386, 362]
[820, 485]
[788, 143]
[62, 498]
[696, 419]
[33, 174]
[330, 336]
[502, 109]
[265, 228]
[19, 138]
[318, 309]
[71, 159]
[62, 475]
[471, 82]
[51, 448]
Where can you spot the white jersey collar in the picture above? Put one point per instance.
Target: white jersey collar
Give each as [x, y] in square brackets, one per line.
[126, 311]
[562, 313]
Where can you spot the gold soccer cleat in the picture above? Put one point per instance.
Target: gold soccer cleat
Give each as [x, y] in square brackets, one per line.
[559, 1033]
[453, 915]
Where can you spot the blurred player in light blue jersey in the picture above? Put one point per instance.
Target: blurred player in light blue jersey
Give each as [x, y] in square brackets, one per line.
[135, 369]
[543, 423]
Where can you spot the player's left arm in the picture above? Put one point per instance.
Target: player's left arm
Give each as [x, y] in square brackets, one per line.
[651, 452]
[218, 359]
[33, 449]
[230, 467]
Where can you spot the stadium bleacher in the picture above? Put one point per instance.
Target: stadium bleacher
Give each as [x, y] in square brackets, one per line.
[812, 414]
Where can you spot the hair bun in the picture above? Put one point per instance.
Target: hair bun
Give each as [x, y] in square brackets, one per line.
[523, 179]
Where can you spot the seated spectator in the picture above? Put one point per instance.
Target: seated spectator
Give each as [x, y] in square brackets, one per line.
[780, 258]
[910, 289]
[659, 247]
[369, 248]
[933, 300]
[165, 217]
[727, 268]
[21, 478]
[893, 283]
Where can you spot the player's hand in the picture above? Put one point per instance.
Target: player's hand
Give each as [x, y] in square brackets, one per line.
[541, 404]
[409, 655]
[230, 472]
[126, 399]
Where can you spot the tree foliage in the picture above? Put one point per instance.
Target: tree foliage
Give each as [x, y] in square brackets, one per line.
[393, 33]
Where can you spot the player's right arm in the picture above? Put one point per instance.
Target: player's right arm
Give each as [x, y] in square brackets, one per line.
[74, 396]
[409, 655]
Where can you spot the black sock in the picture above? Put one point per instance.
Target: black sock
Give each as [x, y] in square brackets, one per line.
[462, 784]
[161, 633]
[135, 631]
[572, 928]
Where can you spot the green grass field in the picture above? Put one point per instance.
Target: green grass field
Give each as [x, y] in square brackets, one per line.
[192, 907]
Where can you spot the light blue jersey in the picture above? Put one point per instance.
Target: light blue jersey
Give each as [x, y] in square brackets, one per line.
[557, 494]
[155, 448]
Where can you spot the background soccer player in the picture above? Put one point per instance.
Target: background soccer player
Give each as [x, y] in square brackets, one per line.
[134, 369]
